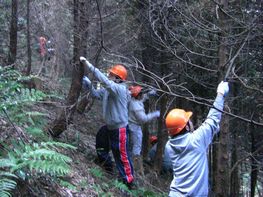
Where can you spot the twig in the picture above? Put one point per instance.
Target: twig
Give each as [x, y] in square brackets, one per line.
[13, 125]
[231, 61]
[242, 159]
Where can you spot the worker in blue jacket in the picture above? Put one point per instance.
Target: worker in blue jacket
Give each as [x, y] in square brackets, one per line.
[115, 97]
[188, 149]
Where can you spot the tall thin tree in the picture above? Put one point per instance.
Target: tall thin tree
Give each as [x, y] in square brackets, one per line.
[29, 52]
[13, 34]
[79, 48]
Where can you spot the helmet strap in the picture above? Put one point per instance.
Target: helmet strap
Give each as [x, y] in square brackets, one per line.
[189, 126]
[116, 79]
[182, 132]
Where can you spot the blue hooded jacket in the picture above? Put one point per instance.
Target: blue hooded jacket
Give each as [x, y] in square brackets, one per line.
[188, 153]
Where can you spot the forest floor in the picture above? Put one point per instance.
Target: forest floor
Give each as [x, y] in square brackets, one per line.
[86, 178]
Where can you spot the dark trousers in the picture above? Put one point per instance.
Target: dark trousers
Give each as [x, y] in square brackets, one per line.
[116, 140]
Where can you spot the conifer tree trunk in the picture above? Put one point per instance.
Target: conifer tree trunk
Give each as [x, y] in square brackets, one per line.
[162, 137]
[13, 34]
[234, 176]
[147, 60]
[28, 40]
[256, 152]
[254, 167]
[80, 48]
[85, 102]
[222, 171]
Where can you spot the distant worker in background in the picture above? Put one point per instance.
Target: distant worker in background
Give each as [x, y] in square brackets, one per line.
[137, 117]
[188, 148]
[42, 46]
[46, 50]
[166, 163]
[115, 134]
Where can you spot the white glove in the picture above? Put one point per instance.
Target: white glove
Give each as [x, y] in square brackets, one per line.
[86, 62]
[156, 113]
[223, 88]
[152, 93]
[82, 59]
[86, 82]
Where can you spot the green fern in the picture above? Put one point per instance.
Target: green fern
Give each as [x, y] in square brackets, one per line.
[20, 160]
[21, 97]
[36, 133]
[53, 144]
[34, 118]
[121, 186]
[7, 184]
[96, 172]
[67, 185]
[27, 160]
[12, 94]
[42, 158]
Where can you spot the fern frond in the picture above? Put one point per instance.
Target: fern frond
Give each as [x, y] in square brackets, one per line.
[6, 163]
[31, 114]
[36, 132]
[96, 172]
[6, 183]
[121, 186]
[41, 157]
[57, 144]
[50, 167]
[44, 154]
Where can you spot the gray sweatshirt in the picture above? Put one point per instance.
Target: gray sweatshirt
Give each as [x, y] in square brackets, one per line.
[137, 113]
[115, 98]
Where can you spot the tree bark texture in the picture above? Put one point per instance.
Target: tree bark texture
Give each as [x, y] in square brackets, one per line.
[257, 153]
[29, 52]
[162, 137]
[80, 48]
[147, 61]
[13, 34]
[234, 176]
[222, 171]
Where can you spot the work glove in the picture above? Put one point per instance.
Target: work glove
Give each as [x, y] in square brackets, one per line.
[223, 88]
[156, 113]
[86, 82]
[86, 62]
[152, 93]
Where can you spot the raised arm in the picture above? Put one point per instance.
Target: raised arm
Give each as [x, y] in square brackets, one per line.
[205, 133]
[88, 85]
[142, 117]
[96, 72]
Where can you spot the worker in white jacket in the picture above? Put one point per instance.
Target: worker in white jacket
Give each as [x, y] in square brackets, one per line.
[115, 97]
[188, 150]
[137, 117]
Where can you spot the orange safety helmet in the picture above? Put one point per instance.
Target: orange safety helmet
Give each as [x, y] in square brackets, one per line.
[153, 139]
[119, 71]
[135, 90]
[176, 120]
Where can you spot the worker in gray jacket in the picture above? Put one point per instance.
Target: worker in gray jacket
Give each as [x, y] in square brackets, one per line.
[115, 97]
[137, 117]
[188, 150]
